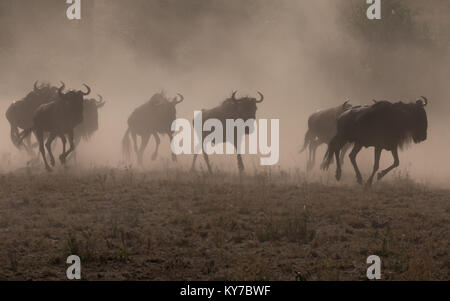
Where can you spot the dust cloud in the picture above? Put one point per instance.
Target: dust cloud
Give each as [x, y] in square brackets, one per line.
[303, 55]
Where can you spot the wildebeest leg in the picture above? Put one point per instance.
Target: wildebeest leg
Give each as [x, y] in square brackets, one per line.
[158, 141]
[35, 156]
[40, 138]
[48, 145]
[136, 150]
[140, 154]
[312, 154]
[352, 156]
[64, 141]
[338, 165]
[28, 146]
[174, 157]
[376, 165]
[193, 162]
[396, 164]
[344, 151]
[14, 135]
[76, 141]
[240, 163]
[207, 162]
[71, 147]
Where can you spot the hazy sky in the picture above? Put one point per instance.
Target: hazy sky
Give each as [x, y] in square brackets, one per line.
[303, 55]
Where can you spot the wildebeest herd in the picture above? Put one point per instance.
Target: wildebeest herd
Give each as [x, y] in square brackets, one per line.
[49, 112]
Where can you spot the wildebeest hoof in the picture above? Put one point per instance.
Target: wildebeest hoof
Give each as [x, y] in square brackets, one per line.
[379, 176]
[62, 159]
[359, 180]
[338, 175]
[48, 168]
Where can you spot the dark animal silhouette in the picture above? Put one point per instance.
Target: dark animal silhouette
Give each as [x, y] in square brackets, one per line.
[322, 127]
[243, 108]
[20, 113]
[58, 118]
[383, 125]
[153, 117]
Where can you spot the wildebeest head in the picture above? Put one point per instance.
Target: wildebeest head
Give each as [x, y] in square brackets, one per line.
[172, 104]
[419, 121]
[90, 116]
[41, 93]
[244, 107]
[73, 101]
[157, 114]
[168, 106]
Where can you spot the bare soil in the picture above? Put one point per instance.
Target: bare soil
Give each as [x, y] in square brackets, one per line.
[127, 224]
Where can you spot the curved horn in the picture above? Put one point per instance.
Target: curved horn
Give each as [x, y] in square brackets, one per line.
[374, 100]
[425, 100]
[233, 96]
[181, 98]
[35, 86]
[261, 96]
[88, 88]
[61, 88]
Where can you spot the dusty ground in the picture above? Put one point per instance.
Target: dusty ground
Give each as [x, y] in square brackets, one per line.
[136, 225]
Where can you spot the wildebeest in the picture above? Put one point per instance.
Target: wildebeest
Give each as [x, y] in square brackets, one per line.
[383, 125]
[322, 127]
[243, 108]
[58, 118]
[20, 113]
[153, 117]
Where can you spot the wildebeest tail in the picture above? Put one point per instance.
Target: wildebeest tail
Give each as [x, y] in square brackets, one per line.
[15, 136]
[308, 138]
[332, 148]
[126, 145]
[23, 135]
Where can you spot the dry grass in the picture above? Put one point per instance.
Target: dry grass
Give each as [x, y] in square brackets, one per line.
[174, 225]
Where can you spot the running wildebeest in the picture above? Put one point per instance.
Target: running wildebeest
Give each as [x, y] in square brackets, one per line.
[153, 117]
[58, 118]
[322, 127]
[243, 108]
[20, 113]
[383, 125]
